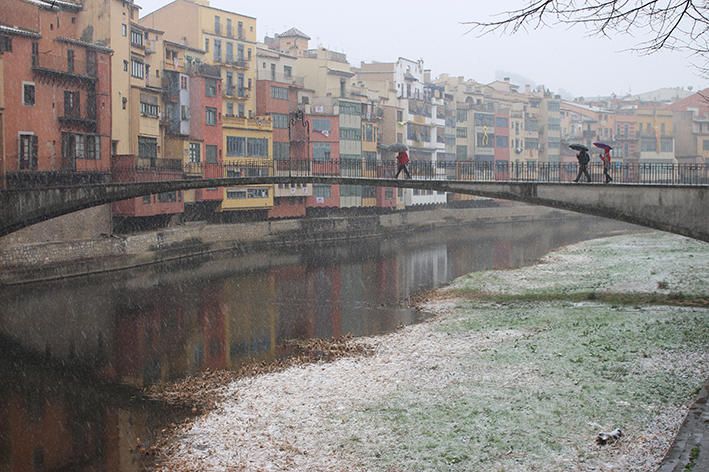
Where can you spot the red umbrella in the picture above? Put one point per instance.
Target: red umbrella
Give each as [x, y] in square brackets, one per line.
[603, 146]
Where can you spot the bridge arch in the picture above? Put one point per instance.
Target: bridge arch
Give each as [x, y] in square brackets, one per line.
[679, 209]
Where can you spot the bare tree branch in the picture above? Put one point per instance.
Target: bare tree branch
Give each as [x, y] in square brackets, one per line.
[672, 24]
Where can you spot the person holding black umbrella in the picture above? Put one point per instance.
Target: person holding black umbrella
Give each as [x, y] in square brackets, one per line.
[583, 159]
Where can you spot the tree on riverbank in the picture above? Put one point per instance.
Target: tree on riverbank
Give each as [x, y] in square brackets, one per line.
[670, 24]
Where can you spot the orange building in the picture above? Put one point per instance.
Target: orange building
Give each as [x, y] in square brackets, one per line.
[57, 117]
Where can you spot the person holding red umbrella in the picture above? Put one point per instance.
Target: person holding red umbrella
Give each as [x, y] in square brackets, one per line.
[606, 158]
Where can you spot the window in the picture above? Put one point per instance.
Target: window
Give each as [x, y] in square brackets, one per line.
[501, 122]
[211, 153]
[80, 146]
[28, 91]
[418, 132]
[370, 134]
[211, 116]
[353, 134]
[347, 108]
[70, 61]
[248, 193]
[279, 120]
[167, 197]
[124, 30]
[235, 146]
[280, 93]
[125, 66]
[136, 38]
[147, 199]
[210, 87]
[240, 52]
[137, 69]
[240, 30]
[321, 151]
[217, 25]
[281, 151]
[229, 52]
[667, 145]
[218, 50]
[206, 44]
[184, 112]
[229, 31]
[241, 110]
[288, 71]
[147, 147]
[71, 103]
[321, 125]
[648, 144]
[35, 53]
[183, 82]
[530, 143]
[229, 109]
[484, 120]
[149, 109]
[322, 191]
[27, 154]
[461, 132]
[501, 141]
[461, 152]
[194, 153]
[240, 85]
[554, 105]
[257, 147]
[705, 145]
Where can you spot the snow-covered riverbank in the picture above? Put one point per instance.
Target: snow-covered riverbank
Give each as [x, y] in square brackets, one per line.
[520, 384]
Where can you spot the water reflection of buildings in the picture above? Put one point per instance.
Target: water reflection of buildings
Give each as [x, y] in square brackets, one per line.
[155, 326]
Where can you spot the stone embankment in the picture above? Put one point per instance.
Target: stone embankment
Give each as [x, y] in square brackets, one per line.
[23, 263]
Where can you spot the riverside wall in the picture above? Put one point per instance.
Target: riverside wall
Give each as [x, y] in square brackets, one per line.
[32, 262]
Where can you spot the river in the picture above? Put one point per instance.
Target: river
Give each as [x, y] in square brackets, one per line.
[77, 353]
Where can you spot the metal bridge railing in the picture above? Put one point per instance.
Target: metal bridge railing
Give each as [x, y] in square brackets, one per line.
[477, 171]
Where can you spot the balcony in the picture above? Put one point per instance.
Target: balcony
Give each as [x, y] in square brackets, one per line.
[59, 67]
[282, 78]
[421, 108]
[231, 91]
[239, 63]
[260, 122]
[88, 123]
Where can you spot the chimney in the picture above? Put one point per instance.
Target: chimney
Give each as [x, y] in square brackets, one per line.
[506, 79]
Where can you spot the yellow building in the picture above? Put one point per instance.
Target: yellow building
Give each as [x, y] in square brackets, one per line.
[655, 135]
[229, 40]
[135, 76]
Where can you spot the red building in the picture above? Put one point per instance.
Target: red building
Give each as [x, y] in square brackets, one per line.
[275, 69]
[204, 80]
[57, 117]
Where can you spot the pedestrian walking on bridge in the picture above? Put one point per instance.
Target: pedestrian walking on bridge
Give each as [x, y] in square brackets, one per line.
[402, 159]
[583, 159]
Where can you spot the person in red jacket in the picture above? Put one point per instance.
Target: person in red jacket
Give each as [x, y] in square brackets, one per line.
[606, 158]
[402, 159]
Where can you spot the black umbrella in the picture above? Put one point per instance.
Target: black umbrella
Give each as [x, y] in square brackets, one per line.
[578, 147]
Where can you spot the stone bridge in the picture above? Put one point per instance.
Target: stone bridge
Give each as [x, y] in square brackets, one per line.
[680, 209]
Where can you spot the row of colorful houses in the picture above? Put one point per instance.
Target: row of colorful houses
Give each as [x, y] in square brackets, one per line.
[92, 91]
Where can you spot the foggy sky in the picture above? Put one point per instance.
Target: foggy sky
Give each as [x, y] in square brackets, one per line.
[383, 30]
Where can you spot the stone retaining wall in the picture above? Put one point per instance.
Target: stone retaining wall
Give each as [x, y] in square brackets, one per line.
[21, 263]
